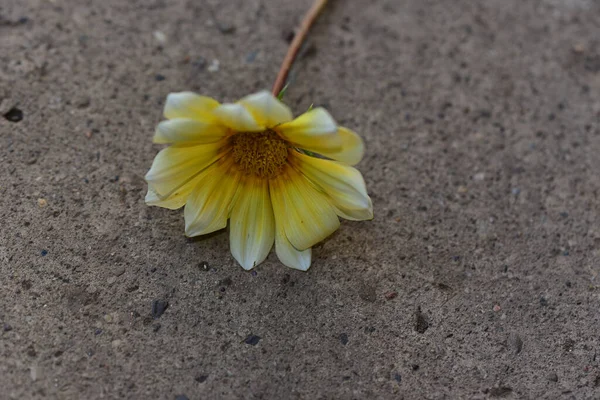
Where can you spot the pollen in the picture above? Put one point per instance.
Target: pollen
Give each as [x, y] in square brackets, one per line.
[263, 154]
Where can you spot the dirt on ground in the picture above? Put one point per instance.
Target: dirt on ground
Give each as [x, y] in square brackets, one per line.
[478, 277]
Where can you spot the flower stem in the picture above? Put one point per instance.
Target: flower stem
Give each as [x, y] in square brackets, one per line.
[307, 22]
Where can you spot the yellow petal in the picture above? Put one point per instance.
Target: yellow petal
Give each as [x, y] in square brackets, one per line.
[266, 109]
[362, 214]
[307, 215]
[288, 254]
[178, 165]
[209, 204]
[190, 105]
[314, 130]
[252, 224]
[187, 130]
[352, 150]
[174, 201]
[238, 118]
[343, 184]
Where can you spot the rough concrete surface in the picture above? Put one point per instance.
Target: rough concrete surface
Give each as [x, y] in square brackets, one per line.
[478, 277]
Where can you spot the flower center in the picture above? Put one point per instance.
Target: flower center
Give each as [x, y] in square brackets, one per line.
[263, 154]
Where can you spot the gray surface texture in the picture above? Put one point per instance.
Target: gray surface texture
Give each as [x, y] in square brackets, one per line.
[478, 277]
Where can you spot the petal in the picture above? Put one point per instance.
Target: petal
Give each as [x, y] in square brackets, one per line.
[209, 204]
[307, 214]
[343, 184]
[177, 165]
[352, 150]
[314, 130]
[189, 105]
[266, 109]
[238, 118]
[187, 130]
[174, 201]
[287, 254]
[252, 224]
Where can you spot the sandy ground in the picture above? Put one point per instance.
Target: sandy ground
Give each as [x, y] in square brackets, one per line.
[478, 277]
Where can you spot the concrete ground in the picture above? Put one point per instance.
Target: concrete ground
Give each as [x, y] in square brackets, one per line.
[478, 277]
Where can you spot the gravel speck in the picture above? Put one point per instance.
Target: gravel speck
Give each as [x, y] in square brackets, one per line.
[14, 115]
[344, 338]
[158, 308]
[252, 340]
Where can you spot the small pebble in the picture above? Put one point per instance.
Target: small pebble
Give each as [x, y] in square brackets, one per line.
[214, 66]
[391, 295]
[201, 378]
[44, 253]
[14, 115]
[160, 37]
[497, 308]
[7, 327]
[159, 77]
[42, 203]
[344, 338]
[225, 28]
[158, 308]
[421, 323]
[480, 176]
[553, 377]
[252, 340]
[516, 343]
[398, 378]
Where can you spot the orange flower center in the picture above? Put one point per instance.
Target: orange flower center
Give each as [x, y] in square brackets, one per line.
[263, 154]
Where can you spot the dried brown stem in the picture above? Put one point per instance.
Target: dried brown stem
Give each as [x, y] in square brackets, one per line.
[299, 37]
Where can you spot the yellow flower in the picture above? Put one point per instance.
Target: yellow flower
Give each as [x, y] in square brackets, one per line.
[278, 179]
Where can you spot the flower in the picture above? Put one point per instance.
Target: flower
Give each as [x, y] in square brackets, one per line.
[277, 179]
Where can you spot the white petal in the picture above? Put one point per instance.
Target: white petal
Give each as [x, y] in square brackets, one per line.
[209, 204]
[343, 184]
[252, 224]
[266, 109]
[308, 216]
[189, 105]
[187, 130]
[236, 117]
[314, 130]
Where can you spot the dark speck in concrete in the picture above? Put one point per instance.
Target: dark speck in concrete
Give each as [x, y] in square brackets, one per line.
[421, 323]
[159, 77]
[252, 340]
[344, 338]
[398, 378]
[14, 115]
[201, 378]
[159, 307]
[181, 397]
[43, 253]
[501, 391]
[516, 343]
[553, 377]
